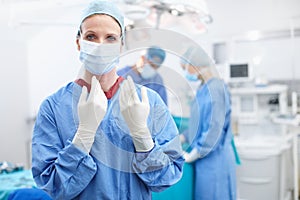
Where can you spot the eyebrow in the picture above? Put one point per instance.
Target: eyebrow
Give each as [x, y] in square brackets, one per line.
[89, 31]
[106, 34]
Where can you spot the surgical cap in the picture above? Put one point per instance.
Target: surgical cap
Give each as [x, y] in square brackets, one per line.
[104, 7]
[156, 55]
[197, 57]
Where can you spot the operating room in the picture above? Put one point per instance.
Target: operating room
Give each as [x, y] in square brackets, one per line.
[255, 50]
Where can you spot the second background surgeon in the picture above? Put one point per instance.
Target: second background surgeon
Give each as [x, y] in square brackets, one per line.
[209, 132]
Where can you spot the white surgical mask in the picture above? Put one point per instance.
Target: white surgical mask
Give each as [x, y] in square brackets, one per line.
[148, 71]
[99, 58]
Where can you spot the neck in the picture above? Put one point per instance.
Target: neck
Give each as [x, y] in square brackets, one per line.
[106, 80]
[206, 75]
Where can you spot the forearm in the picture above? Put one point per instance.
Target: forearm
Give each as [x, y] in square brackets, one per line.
[63, 178]
[161, 167]
[209, 140]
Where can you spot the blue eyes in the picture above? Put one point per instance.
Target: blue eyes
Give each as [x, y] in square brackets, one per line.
[90, 37]
[108, 39]
[111, 38]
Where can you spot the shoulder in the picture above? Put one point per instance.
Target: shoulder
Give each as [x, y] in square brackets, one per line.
[123, 71]
[56, 98]
[65, 91]
[215, 89]
[155, 82]
[215, 85]
[153, 96]
[159, 78]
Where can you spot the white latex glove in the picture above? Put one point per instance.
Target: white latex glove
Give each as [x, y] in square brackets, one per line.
[91, 111]
[182, 138]
[135, 113]
[192, 156]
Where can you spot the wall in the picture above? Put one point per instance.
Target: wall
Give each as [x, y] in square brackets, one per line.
[237, 22]
[37, 57]
[53, 61]
[273, 59]
[14, 130]
[236, 17]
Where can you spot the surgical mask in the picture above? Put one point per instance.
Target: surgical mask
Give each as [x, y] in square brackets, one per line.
[99, 58]
[190, 77]
[148, 71]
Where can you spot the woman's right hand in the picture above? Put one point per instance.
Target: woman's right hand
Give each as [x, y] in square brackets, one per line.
[91, 111]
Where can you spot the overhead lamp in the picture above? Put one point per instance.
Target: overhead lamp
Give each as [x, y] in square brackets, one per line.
[151, 12]
[132, 1]
[135, 13]
[175, 12]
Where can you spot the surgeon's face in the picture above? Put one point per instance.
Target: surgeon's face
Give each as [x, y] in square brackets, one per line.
[101, 28]
[194, 70]
[145, 61]
[191, 69]
[152, 64]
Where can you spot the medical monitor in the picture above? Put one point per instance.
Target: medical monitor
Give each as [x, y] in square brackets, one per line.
[239, 72]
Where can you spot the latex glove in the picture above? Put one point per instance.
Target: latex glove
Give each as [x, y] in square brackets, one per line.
[91, 111]
[192, 156]
[182, 138]
[135, 113]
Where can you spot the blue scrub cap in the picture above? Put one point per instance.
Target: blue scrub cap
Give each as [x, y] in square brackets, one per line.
[155, 52]
[104, 7]
[197, 57]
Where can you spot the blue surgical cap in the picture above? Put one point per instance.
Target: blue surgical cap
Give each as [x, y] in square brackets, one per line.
[197, 57]
[104, 7]
[156, 55]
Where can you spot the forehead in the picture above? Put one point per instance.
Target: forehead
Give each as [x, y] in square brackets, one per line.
[101, 22]
[155, 59]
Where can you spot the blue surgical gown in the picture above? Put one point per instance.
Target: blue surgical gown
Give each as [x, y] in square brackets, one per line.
[112, 170]
[155, 83]
[210, 133]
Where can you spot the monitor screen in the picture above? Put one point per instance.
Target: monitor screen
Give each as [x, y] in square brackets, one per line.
[239, 71]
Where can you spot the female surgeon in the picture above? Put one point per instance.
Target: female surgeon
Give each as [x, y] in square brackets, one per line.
[209, 133]
[100, 136]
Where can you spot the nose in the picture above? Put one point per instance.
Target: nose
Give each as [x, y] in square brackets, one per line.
[101, 41]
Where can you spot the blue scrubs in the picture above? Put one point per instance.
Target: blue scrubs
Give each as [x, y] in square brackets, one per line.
[210, 133]
[155, 83]
[112, 170]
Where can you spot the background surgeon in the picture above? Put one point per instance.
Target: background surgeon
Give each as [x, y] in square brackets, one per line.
[82, 148]
[144, 71]
[209, 133]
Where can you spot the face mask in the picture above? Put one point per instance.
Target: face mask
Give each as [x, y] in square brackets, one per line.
[190, 77]
[148, 71]
[99, 58]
